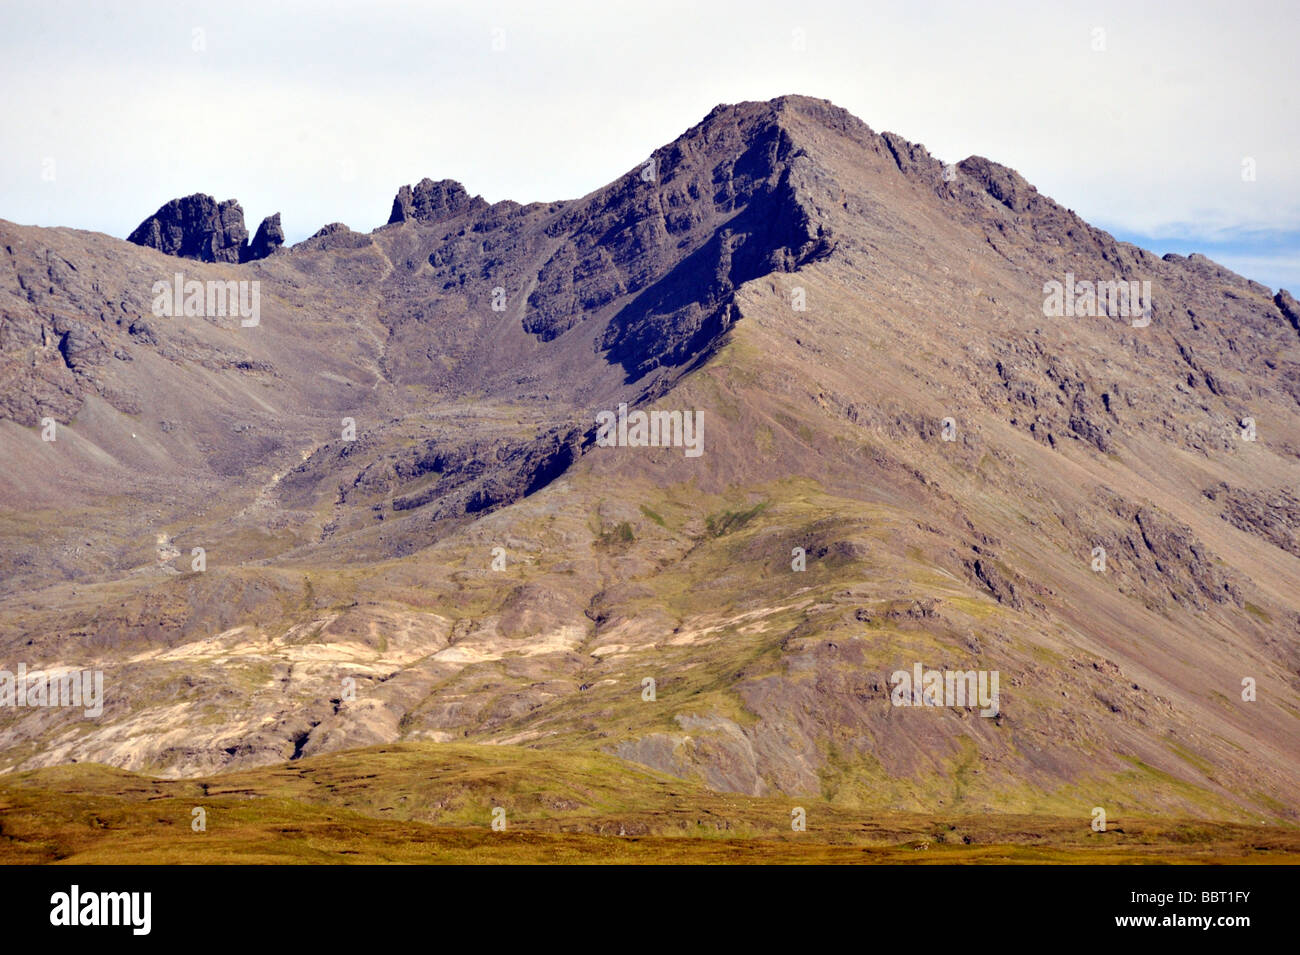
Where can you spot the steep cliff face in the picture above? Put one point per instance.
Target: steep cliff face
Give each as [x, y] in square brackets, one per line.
[640, 272]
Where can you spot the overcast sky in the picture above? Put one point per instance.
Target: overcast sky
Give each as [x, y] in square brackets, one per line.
[1140, 121]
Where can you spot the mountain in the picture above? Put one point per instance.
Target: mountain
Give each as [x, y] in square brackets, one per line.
[915, 423]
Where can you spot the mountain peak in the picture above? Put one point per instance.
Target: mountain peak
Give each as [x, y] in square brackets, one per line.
[432, 201]
[818, 110]
[198, 227]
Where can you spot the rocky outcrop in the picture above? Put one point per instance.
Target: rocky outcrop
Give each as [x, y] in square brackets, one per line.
[270, 236]
[1273, 515]
[195, 227]
[1168, 555]
[1002, 183]
[1289, 307]
[433, 201]
[987, 572]
[199, 227]
[911, 158]
[335, 237]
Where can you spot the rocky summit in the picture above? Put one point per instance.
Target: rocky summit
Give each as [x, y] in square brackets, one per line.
[794, 462]
[199, 227]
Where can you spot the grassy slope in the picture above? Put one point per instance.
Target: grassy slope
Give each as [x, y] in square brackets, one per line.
[419, 803]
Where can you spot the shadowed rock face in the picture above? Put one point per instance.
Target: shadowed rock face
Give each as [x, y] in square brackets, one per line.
[642, 272]
[1288, 307]
[862, 328]
[270, 236]
[198, 227]
[195, 227]
[735, 205]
